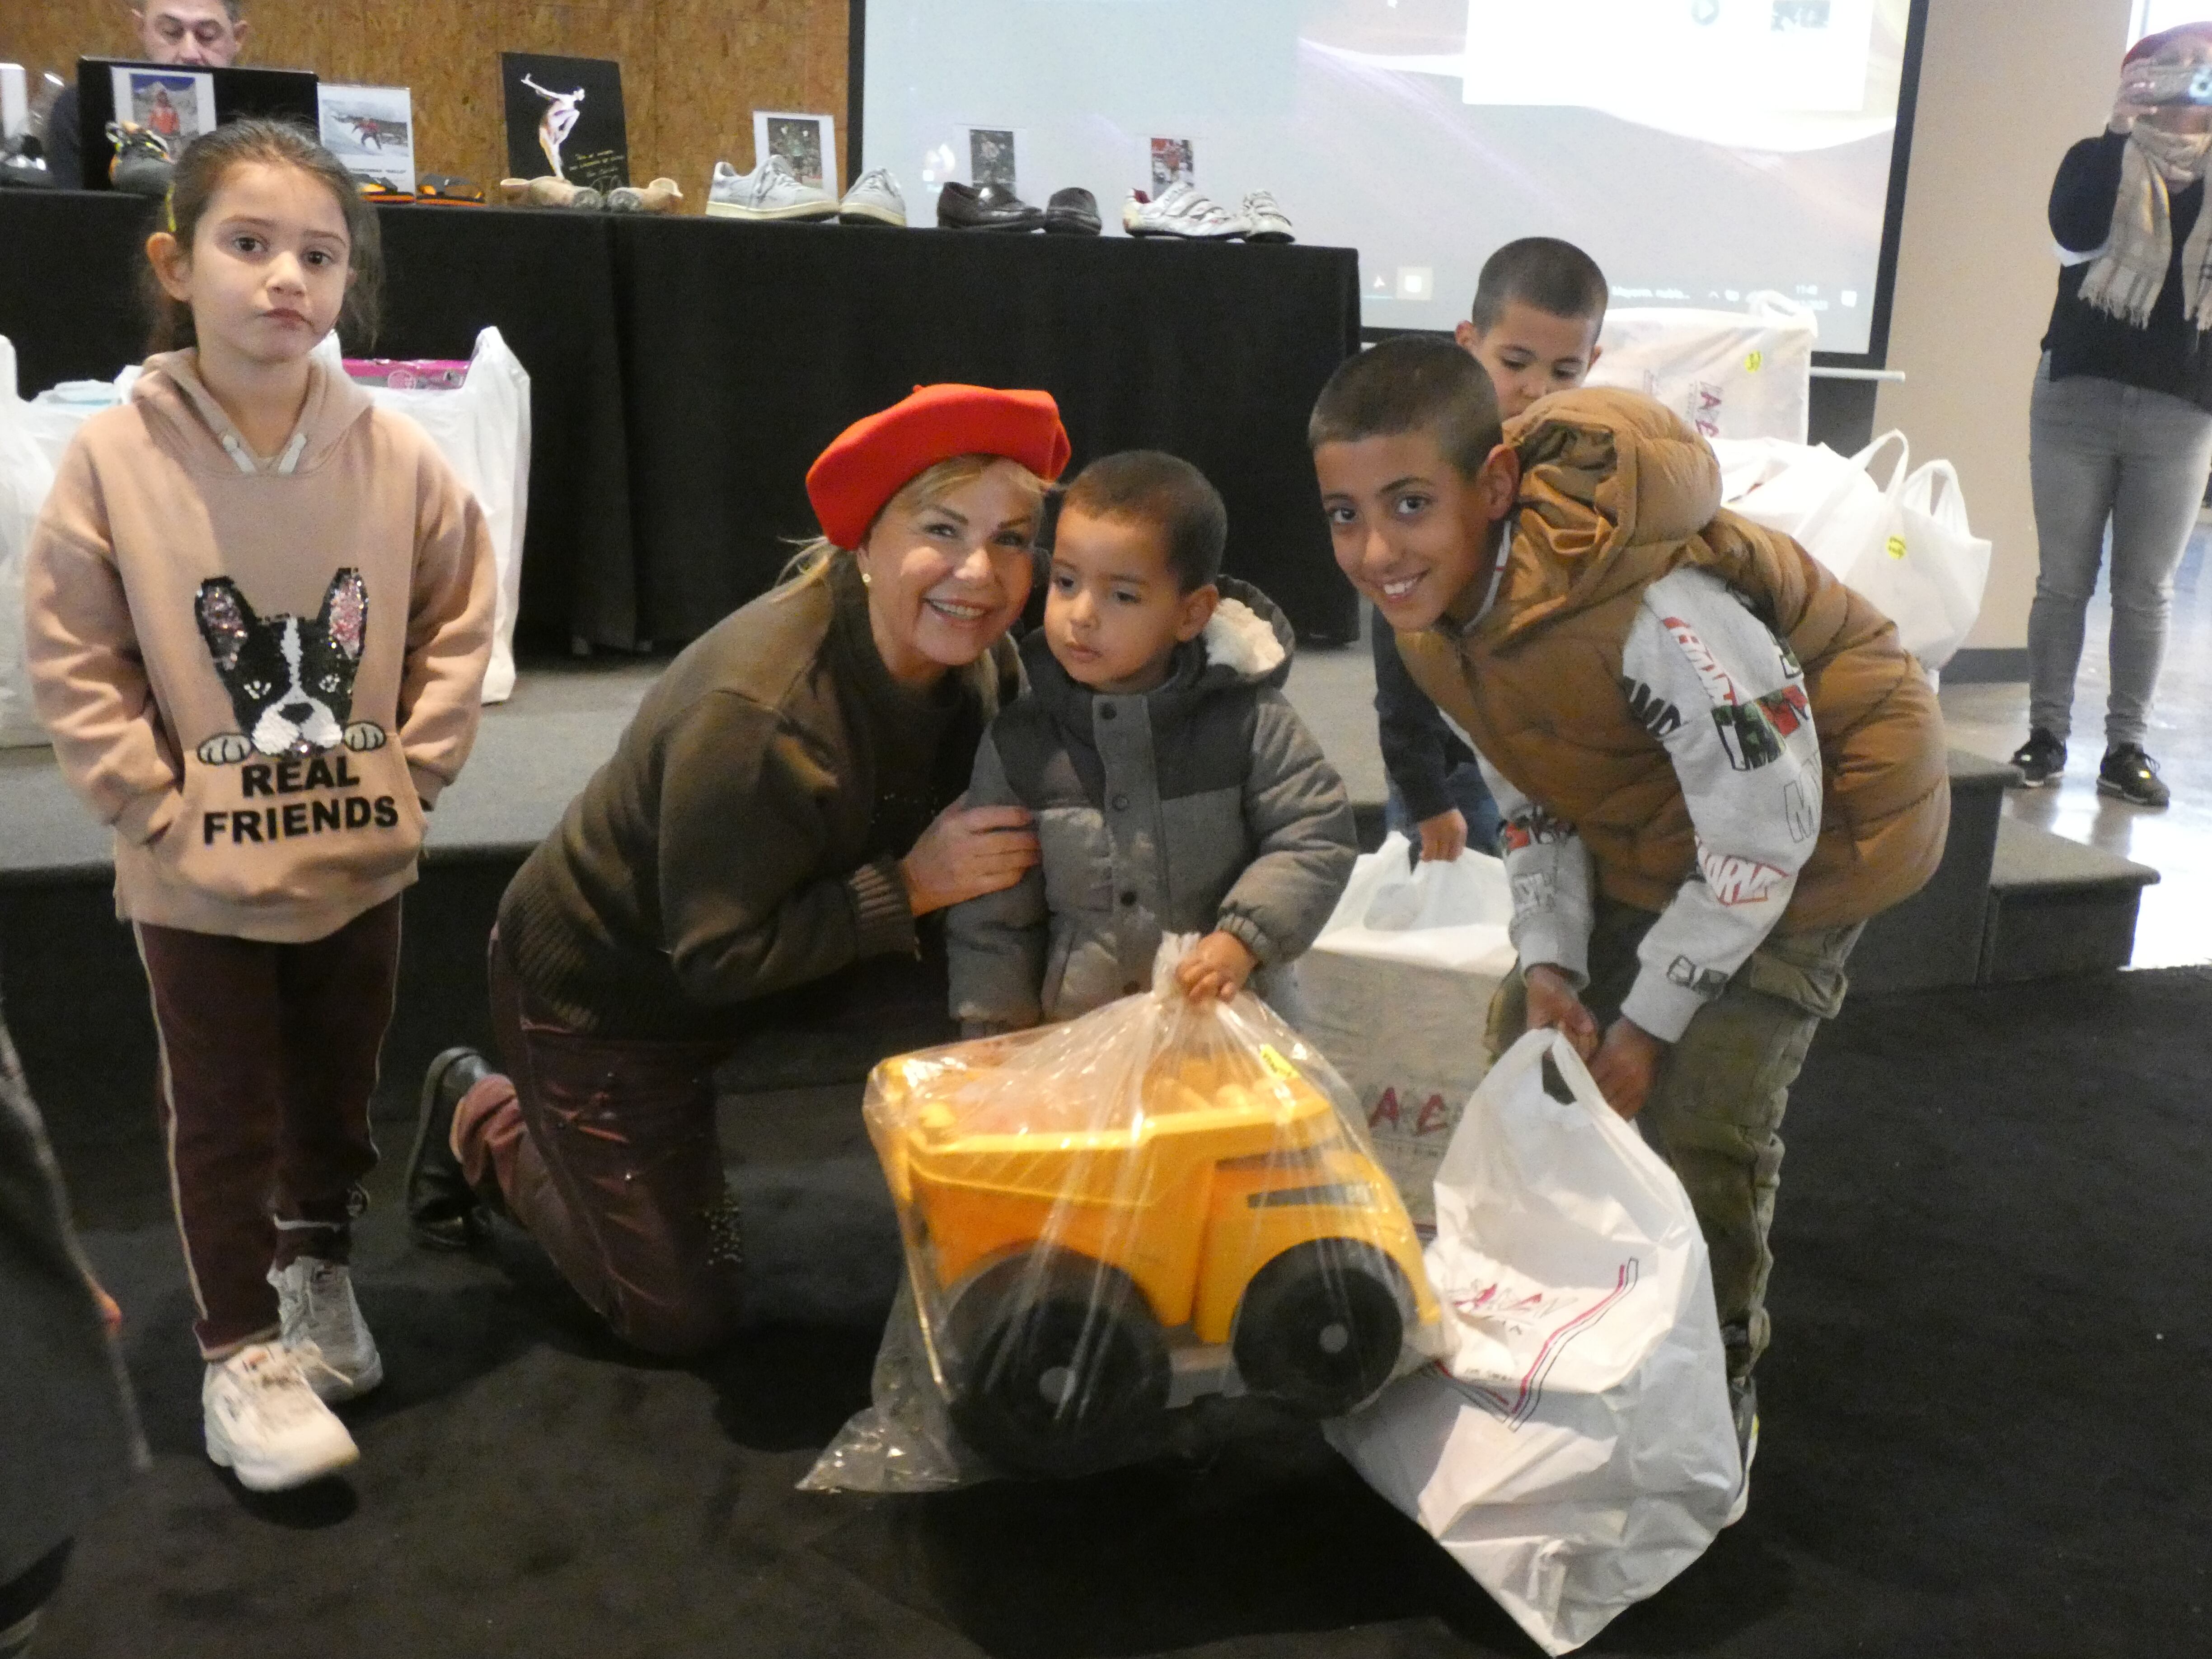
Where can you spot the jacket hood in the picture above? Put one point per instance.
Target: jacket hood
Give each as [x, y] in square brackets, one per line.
[172, 389]
[1601, 471]
[1248, 641]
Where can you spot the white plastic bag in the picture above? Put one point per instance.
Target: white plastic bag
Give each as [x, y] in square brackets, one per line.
[26, 475]
[1397, 990]
[482, 430]
[1573, 1449]
[1927, 574]
[1729, 373]
[1905, 546]
[1111, 1219]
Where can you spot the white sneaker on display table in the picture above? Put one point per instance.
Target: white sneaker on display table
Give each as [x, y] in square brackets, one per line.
[1264, 219]
[315, 1304]
[770, 191]
[874, 199]
[1179, 210]
[262, 1419]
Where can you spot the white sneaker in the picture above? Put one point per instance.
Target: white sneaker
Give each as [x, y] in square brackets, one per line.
[770, 191]
[263, 1419]
[315, 1301]
[1264, 220]
[1179, 211]
[874, 199]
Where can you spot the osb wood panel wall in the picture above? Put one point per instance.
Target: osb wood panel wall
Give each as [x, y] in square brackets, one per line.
[693, 71]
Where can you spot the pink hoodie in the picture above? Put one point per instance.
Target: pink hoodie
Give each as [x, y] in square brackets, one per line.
[258, 672]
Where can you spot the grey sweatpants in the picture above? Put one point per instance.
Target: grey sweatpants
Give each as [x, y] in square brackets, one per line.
[2099, 452]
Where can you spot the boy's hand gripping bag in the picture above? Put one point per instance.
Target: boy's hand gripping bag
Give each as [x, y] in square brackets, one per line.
[482, 430]
[1573, 1449]
[1110, 1219]
[1397, 990]
[1729, 373]
[26, 477]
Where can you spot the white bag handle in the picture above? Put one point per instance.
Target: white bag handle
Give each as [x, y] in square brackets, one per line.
[1768, 306]
[1865, 460]
[1934, 489]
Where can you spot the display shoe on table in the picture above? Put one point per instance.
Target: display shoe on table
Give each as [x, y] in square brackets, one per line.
[1264, 220]
[874, 199]
[662, 196]
[143, 164]
[2040, 759]
[985, 207]
[448, 188]
[1072, 212]
[315, 1305]
[770, 191]
[1179, 210]
[2132, 775]
[263, 1419]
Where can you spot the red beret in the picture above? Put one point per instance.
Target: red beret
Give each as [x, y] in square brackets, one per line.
[866, 464]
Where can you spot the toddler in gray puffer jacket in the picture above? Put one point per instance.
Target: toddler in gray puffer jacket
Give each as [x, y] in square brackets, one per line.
[1174, 788]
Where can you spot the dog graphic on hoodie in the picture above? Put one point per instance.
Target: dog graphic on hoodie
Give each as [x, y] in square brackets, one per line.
[290, 678]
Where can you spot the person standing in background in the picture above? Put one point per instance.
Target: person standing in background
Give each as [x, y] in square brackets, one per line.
[2120, 421]
[191, 33]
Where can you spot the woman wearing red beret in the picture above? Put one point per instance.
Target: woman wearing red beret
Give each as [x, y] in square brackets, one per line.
[782, 811]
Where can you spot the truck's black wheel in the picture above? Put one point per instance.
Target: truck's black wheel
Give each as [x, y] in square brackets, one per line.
[1320, 1326]
[1061, 1367]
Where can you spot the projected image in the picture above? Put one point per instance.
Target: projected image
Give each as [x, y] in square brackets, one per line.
[1699, 149]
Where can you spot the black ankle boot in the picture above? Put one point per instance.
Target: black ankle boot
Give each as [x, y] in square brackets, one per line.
[443, 1211]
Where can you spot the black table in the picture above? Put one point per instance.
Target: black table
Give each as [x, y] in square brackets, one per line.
[685, 371]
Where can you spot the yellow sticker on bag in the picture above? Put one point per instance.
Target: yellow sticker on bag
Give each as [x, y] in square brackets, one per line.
[1754, 362]
[1896, 547]
[1274, 1062]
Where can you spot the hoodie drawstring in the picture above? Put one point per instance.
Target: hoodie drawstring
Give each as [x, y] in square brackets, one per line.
[286, 463]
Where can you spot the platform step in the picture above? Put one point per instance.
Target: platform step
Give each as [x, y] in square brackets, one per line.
[2057, 906]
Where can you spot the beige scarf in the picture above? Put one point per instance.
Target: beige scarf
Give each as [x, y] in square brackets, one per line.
[2128, 274]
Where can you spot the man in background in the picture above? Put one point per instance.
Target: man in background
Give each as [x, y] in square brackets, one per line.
[191, 33]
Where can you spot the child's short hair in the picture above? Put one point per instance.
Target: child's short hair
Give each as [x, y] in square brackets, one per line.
[1542, 272]
[199, 173]
[1411, 383]
[1166, 492]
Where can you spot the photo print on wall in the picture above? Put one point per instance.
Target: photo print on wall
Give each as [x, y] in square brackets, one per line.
[1174, 162]
[372, 130]
[564, 117]
[806, 142]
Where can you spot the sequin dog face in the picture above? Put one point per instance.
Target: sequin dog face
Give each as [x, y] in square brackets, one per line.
[290, 678]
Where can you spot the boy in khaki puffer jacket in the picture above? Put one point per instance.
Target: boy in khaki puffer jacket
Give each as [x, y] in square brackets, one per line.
[1715, 761]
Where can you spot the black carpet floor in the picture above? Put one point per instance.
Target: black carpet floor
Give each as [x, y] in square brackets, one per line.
[1987, 1418]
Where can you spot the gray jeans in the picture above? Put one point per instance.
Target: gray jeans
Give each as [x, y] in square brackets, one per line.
[2098, 451]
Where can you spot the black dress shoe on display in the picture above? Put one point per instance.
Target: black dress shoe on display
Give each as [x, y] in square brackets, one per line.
[443, 1211]
[1072, 212]
[985, 207]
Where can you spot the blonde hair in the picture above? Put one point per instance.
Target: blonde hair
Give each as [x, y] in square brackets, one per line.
[811, 562]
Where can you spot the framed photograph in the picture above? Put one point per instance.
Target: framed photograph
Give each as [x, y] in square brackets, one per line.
[991, 156]
[372, 130]
[808, 143]
[175, 105]
[564, 117]
[1173, 161]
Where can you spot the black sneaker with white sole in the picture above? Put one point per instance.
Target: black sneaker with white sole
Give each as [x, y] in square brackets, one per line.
[2132, 775]
[2040, 759]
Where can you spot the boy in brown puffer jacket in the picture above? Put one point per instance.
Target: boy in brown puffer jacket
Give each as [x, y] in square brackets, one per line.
[1715, 761]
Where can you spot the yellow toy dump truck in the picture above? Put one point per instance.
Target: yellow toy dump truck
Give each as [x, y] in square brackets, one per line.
[1080, 1271]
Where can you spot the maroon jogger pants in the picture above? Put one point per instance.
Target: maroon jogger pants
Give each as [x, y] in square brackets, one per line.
[269, 1056]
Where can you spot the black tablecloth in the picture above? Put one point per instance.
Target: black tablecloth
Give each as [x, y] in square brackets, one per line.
[685, 371]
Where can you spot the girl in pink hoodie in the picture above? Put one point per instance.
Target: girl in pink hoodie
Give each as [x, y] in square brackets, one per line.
[258, 612]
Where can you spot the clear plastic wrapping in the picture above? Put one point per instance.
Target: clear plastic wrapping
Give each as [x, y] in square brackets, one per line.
[1108, 1219]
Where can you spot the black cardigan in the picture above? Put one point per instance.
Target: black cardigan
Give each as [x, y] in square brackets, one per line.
[2169, 355]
